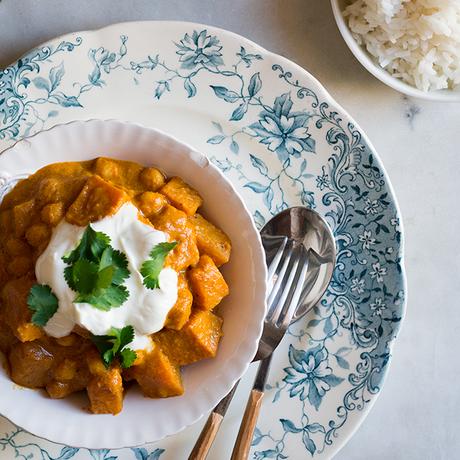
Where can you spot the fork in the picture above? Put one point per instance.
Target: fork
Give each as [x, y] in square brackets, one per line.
[286, 272]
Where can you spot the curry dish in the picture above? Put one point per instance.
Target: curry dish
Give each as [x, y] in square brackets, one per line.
[81, 193]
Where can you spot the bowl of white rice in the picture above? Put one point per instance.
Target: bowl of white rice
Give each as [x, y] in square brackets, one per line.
[411, 45]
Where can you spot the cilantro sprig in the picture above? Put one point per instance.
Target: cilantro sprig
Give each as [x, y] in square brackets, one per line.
[152, 267]
[114, 345]
[43, 303]
[96, 271]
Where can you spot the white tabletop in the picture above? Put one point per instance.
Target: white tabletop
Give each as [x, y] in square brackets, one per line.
[416, 416]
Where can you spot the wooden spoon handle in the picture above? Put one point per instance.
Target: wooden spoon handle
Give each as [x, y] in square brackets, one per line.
[248, 425]
[206, 438]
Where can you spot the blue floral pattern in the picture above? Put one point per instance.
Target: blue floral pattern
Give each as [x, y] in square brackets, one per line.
[17, 444]
[279, 149]
[199, 49]
[15, 104]
[283, 132]
[310, 376]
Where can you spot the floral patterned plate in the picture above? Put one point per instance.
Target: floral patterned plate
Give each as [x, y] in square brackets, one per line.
[282, 140]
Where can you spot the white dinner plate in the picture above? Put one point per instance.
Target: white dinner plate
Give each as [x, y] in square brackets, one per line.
[281, 140]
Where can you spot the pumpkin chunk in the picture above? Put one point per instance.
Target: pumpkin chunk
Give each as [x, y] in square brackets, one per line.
[197, 340]
[122, 173]
[98, 199]
[207, 283]
[53, 213]
[176, 224]
[157, 376]
[211, 240]
[182, 196]
[105, 388]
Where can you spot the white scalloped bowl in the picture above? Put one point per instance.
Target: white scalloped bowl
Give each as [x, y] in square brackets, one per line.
[146, 420]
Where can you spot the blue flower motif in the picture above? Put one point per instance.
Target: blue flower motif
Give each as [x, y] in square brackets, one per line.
[283, 132]
[358, 285]
[322, 181]
[310, 376]
[366, 239]
[199, 48]
[372, 207]
[378, 272]
[377, 307]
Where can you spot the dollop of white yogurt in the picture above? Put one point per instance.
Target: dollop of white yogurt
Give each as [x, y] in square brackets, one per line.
[146, 309]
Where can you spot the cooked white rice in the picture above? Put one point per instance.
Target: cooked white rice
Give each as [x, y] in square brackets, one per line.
[415, 40]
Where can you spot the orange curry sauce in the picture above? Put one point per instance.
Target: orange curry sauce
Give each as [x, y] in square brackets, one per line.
[83, 193]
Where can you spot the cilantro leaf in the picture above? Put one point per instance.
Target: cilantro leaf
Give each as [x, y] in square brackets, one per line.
[150, 270]
[113, 345]
[105, 299]
[126, 336]
[107, 357]
[68, 276]
[127, 357]
[91, 247]
[102, 342]
[84, 276]
[106, 258]
[118, 260]
[162, 249]
[96, 272]
[152, 267]
[105, 277]
[43, 303]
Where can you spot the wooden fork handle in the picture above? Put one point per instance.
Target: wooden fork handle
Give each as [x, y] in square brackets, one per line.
[206, 438]
[248, 425]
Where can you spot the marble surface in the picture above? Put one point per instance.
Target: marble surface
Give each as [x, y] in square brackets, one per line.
[416, 414]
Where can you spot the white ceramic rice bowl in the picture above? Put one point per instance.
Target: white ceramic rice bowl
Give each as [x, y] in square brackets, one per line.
[446, 95]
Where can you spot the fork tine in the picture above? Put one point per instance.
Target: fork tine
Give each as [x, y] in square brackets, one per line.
[279, 274]
[281, 290]
[309, 281]
[276, 260]
[295, 292]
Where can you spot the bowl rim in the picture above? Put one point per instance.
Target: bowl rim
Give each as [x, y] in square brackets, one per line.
[257, 257]
[380, 73]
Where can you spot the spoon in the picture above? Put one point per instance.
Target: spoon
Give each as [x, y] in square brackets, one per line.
[300, 253]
